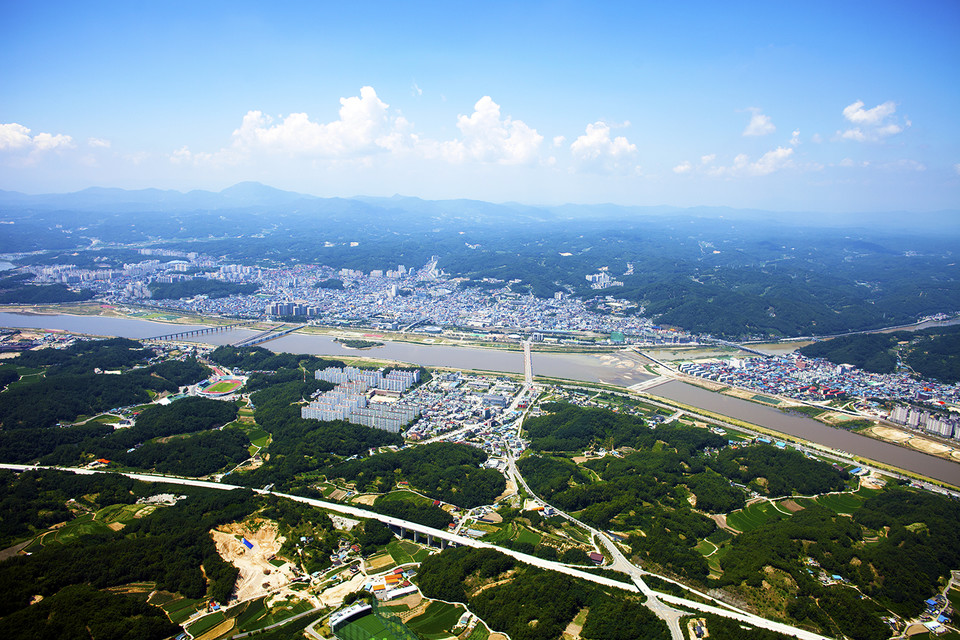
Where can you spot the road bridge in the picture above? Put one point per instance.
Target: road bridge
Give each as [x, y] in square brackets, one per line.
[654, 597]
[199, 332]
[266, 336]
[527, 363]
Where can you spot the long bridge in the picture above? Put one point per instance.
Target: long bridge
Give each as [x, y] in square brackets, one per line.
[265, 336]
[202, 331]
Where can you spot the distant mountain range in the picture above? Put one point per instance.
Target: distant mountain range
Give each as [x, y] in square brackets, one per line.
[254, 196]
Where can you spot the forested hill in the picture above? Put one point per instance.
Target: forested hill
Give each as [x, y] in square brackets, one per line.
[930, 353]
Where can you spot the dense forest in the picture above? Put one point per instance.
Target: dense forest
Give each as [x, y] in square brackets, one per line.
[193, 288]
[533, 604]
[171, 546]
[69, 387]
[444, 471]
[158, 440]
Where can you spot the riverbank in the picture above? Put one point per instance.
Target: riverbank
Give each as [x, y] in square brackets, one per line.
[619, 369]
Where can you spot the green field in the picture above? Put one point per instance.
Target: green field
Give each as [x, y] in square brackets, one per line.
[369, 627]
[206, 623]
[179, 610]
[224, 386]
[258, 437]
[841, 502]
[513, 531]
[754, 516]
[765, 399]
[436, 621]
[89, 523]
[404, 495]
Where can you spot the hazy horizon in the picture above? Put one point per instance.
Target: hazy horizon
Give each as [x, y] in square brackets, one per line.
[816, 107]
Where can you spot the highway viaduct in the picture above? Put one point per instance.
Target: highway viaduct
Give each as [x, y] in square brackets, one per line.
[458, 540]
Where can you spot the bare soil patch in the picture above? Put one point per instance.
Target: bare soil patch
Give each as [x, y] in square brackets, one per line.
[791, 506]
[257, 576]
[377, 563]
[886, 433]
[366, 499]
[338, 494]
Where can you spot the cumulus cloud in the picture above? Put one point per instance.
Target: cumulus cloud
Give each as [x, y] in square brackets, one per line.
[595, 150]
[364, 127]
[871, 125]
[707, 159]
[98, 143]
[760, 124]
[770, 162]
[16, 137]
[487, 137]
[559, 140]
[795, 138]
[683, 167]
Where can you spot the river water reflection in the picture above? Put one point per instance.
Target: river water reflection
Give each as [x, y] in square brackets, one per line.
[617, 369]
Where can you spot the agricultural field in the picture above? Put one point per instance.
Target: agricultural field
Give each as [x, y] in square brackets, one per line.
[514, 531]
[436, 621]
[406, 552]
[180, 609]
[754, 516]
[107, 519]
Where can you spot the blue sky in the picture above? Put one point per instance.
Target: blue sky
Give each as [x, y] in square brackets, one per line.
[788, 106]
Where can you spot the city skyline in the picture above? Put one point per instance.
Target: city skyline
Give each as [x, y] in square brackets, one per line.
[810, 107]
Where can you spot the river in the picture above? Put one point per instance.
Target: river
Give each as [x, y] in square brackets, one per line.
[809, 429]
[614, 368]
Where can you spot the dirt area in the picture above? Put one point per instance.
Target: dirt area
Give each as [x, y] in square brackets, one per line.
[720, 519]
[497, 636]
[872, 482]
[366, 499]
[411, 601]
[377, 563]
[886, 433]
[579, 459]
[257, 576]
[509, 491]
[494, 517]
[338, 494]
[9, 552]
[573, 629]
[116, 526]
[913, 441]
[333, 597]
[791, 506]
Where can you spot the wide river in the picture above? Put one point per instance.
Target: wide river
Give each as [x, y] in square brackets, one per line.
[617, 368]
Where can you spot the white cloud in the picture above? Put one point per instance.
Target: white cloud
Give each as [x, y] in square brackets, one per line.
[770, 162]
[596, 151]
[760, 124]
[98, 143]
[795, 139]
[417, 91]
[683, 167]
[559, 140]
[707, 159]
[14, 136]
[872, 125]
[486, 137]
[856, 114]
[363, 128]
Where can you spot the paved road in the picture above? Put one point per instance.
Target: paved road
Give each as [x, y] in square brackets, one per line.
[656, 599]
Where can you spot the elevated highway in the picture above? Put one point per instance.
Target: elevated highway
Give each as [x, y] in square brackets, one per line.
[655, 600]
